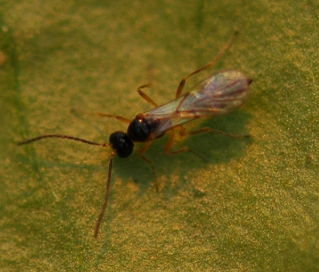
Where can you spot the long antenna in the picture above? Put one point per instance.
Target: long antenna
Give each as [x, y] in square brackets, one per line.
[63, 137]
[106, 199]
[108, 182]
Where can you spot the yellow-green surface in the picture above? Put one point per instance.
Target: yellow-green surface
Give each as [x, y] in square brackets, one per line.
[253, 207]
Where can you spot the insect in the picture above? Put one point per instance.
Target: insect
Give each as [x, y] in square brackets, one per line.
[218, 94]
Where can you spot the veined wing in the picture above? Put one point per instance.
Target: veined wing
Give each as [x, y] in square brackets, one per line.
[219, 94]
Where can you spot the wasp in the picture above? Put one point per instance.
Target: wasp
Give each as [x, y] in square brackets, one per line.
[218, 94]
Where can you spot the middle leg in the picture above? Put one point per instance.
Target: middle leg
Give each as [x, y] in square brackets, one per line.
[141, 153]
[169, 144]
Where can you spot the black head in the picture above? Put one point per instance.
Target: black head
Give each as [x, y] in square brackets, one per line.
[140, 129]
[121, 143]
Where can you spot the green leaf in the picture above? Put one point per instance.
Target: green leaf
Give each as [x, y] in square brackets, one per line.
[252, 207]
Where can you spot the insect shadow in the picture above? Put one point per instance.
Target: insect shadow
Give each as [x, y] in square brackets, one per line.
[216, 95]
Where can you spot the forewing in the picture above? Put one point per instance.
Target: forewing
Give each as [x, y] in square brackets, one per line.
[219, 94]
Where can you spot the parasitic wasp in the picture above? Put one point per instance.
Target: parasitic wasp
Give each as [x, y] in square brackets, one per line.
[218, 94]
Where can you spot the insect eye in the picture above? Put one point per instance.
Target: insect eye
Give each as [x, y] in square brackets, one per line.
[121, 143]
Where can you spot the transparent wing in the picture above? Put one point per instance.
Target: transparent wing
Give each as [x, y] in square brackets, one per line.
[219, 94]
[216, 95]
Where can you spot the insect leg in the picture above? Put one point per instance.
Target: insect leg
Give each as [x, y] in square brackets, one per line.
[208, 65]
[183, 133]
[169, 144]
[120, 118]
[145, 96]
[141, 153]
